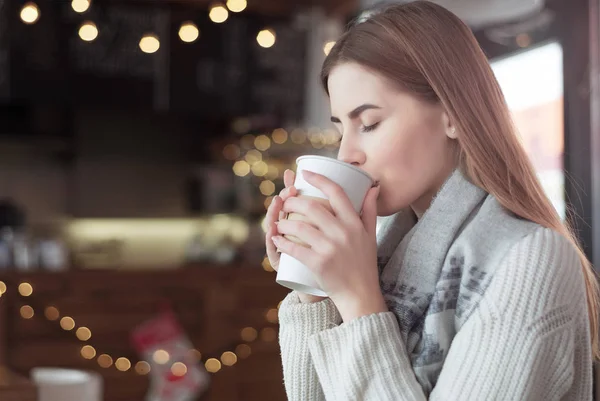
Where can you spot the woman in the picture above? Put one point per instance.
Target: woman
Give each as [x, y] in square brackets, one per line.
[472, 289]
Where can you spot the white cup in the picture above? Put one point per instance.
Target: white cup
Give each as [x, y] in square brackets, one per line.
[355, 183]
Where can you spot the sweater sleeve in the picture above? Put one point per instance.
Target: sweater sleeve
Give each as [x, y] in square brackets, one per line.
[297, 322]
[528, 340]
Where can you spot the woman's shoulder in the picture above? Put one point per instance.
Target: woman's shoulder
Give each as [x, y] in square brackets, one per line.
[540, 274]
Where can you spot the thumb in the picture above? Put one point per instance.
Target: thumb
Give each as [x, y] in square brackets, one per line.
[369, 210]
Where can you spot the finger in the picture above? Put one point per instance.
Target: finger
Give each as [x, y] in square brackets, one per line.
[305, 255]
[304, 232]
[273, 211]
[288, 178]
[288, 192]
[315, 213]
[272, 253]
[369, 211]
[340, 203]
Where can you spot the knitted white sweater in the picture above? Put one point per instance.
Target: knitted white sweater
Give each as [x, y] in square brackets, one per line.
[528, 339]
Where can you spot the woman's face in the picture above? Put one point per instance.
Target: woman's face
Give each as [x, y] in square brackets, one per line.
[404, 143]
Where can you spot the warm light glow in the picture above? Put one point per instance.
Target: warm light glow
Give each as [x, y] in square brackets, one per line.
[249, 334]
[273, 173]
[262, 142]
[2, 287]
[25, 289]
[298, 136]
[67, 323]
[123, 364]
[231, 152]
[229, 358]
[105, 361]
[241, 125]
[142, 368]
[179, 369]
[241, 168]
[161, 357]
[279, 304]
[280, 136]
[51, 313]
[260, 169]
[247, 141]
[239, 231]
[271, 316]
[267, 187]
[218, 13]
[194, 355]
[268, 334]
[237, 6]
[188, 32]
[30, 13]
[212, 365]
[253, 156]
[266, 265]
[88, 352]
[88, 31]
[328, 46]
[149, 43]
[243, 351]
[266, 38]
[80, 6]
[83, 333]
[26, 312]
[268, 201]
[332, 137]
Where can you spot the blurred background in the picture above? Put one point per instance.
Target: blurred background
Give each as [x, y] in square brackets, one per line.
[141, 142]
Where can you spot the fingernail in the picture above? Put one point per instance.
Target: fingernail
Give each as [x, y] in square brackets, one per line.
[276, 240]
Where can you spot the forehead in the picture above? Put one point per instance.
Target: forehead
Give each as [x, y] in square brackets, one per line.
[351, 85]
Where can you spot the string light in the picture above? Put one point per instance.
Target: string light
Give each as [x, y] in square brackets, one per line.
[51, 313]
[298, 136]
[237, 6]
[149, 43]
[267, 187]
[83, 333]
[266, 265]
[249, 334]
[179, 369]
[194, 355]
[253, 156]
[243, 351]
[142, 368]
[260, 169]
[161, 357]
[272, 173]
[280, 136]
[218, 13]
[229, 358]
[2, 287]
[268, 334]
[266, 38]
[188, 32]
[241, 168]
[88, 352]
[267, 203]
[88, 31]
[123, 364]
[67, 323]
[105, 361]
[212, 365]
[80, 6]
[272, 316]
[26, 312]
[327, 47]
[30, 13]
[231, 152]
[247, 141]
[262, 142]
[25, 289]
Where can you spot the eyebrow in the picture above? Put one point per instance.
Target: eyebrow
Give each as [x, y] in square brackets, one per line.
[356, 112]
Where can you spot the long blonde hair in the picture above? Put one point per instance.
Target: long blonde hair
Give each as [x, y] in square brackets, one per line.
[431, 53]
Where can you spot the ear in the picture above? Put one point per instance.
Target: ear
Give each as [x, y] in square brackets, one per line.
[449, 128]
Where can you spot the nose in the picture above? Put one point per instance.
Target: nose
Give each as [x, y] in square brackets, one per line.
[351, 152]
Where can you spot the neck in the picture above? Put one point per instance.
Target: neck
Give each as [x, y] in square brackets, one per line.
[420, 206]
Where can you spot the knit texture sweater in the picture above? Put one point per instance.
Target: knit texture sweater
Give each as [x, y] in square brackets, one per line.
[482, 306]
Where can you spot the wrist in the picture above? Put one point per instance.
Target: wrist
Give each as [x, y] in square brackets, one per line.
[355, 310]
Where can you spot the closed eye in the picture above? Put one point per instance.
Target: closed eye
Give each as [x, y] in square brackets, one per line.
[368, 128]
